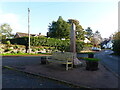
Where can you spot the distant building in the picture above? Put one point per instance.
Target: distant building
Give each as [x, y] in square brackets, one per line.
[19, 34]
[107, 44]
[87, 41]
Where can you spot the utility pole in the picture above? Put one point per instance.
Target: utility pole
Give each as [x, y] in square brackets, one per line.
[28, 31]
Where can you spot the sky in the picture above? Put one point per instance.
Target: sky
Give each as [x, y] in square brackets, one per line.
[99, 15]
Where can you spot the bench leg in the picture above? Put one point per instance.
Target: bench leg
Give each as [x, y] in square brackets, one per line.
[66, 66]
[72, 65]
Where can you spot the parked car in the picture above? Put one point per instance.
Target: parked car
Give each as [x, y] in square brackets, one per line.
[96, 49]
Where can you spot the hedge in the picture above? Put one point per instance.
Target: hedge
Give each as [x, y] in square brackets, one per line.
[116, 46]
[62, 45]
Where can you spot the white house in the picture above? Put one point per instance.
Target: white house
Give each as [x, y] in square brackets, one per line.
[87, 41]
[104, 46]
[108, 45]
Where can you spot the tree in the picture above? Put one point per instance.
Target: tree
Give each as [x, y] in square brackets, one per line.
[5, 30]
[96, 39]
[116, 43]
[59, 29]
[116, 36]
[89, 33]
[79, 30]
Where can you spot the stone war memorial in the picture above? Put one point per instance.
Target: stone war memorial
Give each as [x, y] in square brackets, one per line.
[69, 59]
[73, 45]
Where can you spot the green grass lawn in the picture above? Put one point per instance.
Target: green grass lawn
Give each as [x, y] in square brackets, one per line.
[7, 54]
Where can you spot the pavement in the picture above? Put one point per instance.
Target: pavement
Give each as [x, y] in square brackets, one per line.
[78, 77]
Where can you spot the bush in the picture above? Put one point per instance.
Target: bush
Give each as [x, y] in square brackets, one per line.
[79, 46]
[6, 50]
[4, 41]
[19, 52]
[52, 48]
[34, 50]
[116, 42]
[16, 47]
[92, 64]
[87, 47]
[90, 55]
[19, 41]
[8, 42]
[13, 52]
[40, 49]
[91, 59]
[62, 45]
[116, 46]
[46, 48]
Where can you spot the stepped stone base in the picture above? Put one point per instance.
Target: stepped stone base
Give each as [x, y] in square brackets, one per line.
[77, 62]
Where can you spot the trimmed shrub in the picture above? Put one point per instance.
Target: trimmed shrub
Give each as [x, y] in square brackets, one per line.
[40, 49]
[8, 42]
[34, 50]
[92, 64]
[91, 59]
[90, 55]
[19, 52]
[62, 45]
[16, 47]
[6, 50]
[19, 41]
[13, 52]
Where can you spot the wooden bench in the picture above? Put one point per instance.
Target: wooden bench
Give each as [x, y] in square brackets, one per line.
[63, 58]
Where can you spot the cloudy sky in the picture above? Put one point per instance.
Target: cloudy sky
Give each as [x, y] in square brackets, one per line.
[99, 15]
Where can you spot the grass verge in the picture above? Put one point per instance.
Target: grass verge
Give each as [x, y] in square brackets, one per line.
[15, 54]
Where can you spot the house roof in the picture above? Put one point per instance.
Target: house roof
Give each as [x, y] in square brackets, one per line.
[19, 34]
[24, 34]
[106, 42]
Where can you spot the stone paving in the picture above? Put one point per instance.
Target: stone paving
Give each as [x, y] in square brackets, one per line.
[101, 78]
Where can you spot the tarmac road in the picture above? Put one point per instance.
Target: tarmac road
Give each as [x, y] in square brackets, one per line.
[110, 61]
[13, 79]
[18, 61]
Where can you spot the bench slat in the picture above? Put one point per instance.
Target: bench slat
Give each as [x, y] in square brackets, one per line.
[63, 58]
